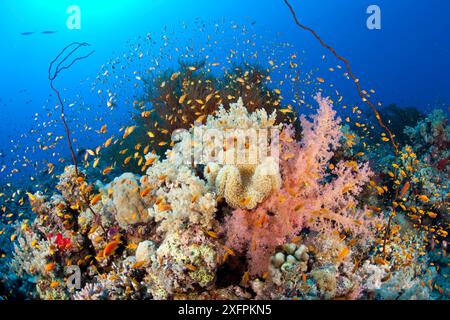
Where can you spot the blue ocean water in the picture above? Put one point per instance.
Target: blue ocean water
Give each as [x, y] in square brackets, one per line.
[406, 62]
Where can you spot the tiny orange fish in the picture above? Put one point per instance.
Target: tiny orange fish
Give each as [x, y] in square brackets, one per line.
[80, 179]
[110, 248]
[108, 142]
[128, 131]
[296, 239]
[344, 252]
[229, 251]
[245, 278]
[132, 246]
[150, 161]
[432, 214]
[164, 207]
[138, 265]
[50, 266]
[404, 189]
[96, 199]
[212, 234]
[423, 198]
[107, 170]
[191, 267]
[376, 209]
[380, 260]
[146, 191]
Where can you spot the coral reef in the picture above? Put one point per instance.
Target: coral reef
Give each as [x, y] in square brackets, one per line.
[183, 261]
[288, 222]
[431, 137]
[399, 119]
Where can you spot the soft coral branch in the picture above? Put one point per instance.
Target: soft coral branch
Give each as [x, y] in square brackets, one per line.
[312, 196]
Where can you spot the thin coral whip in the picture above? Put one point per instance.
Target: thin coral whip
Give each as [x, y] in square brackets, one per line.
[52, 75]
[350, 72]
[361, 94]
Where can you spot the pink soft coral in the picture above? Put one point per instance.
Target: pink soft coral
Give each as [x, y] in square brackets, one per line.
[312, 195]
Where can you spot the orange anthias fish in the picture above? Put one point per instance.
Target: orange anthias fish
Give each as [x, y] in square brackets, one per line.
[245, 278]
[212, 234]
[190, 267]
[110, 248]
[146, 191]
[404, 189]
[343, 253]
[107, 170]
[96, 199]
[50, 266]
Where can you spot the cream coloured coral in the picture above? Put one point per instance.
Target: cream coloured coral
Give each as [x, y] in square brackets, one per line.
[185, 260]
[181, 199]
[246, 169]
[170, 194]
[129, 208]
[245, 186]
[145, 251]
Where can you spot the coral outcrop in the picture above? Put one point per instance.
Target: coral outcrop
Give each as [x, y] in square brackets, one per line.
[285, 223]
